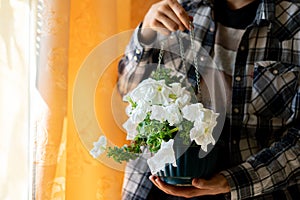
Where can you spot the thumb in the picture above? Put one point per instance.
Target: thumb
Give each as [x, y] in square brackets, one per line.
[200, 183]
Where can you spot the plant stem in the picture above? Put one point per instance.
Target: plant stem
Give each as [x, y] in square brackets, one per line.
[173, 130]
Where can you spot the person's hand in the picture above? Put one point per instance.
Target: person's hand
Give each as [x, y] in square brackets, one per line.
[164, 17]
[200, 187]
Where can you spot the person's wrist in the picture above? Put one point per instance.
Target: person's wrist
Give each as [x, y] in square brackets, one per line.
[224, 184]
[146, 35]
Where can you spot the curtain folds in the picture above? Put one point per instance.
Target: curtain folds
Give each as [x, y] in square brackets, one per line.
[52, 37]
[67, 32]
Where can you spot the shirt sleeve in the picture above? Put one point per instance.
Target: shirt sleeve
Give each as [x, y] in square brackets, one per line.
[271, 169]
[137, 62]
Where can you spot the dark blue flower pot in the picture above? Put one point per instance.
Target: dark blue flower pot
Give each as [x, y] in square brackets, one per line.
[189, 165]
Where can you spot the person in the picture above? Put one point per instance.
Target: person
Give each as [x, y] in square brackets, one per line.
[256, 43]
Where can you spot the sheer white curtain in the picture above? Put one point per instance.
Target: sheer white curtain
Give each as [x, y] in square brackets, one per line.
[14, 83]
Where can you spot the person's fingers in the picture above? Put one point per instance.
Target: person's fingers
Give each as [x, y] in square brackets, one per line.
[169, 13]
[217, 184]
[167, 22]
[169, 189]
[201, 183]
[181, 191]
[160, 184]
[159, 27]
[152, 179]
[180, 13]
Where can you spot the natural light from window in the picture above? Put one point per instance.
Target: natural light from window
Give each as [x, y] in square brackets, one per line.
[14, 134]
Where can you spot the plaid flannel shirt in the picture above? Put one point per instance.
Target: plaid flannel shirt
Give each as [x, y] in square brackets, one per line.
[265, 115]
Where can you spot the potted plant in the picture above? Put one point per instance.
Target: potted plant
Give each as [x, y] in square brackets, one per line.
[165, 118]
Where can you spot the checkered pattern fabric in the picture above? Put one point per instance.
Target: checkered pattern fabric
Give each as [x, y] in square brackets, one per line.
[265, 117]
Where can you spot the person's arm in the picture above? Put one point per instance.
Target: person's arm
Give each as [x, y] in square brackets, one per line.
[162, 18]
[271, 169]
[132, 66]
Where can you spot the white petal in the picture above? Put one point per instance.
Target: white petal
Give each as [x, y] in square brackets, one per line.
[101, 141]
[155, 92]
[94, 153]
[165, 93]
[158, 113]
[126, 97]
[139, 113]
[202, 135]
[192, 112]
[164, 156]
[209, 115]
[99, 147]
[183, 100]
[173, 114]
[176, 88]
[204, 141]
[129, 110]
[138, 116]
[130, 128]
[196, 132]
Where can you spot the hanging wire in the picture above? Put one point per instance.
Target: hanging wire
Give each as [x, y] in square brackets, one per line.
[181, 49]
[192, 38]
[161, 53]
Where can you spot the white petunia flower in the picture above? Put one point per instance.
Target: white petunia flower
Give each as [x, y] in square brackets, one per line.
[99, 147]
[183, 96]
[163, 96]
[204, 141]
[164, 156]
[192, 112]
[209, 115]
[201, 136]
[152, 91]
[173, 115]
[203, 128]
[140, 112]
[145, 90]
[158, 113]
[183, 100]
[130, 128]
[177, 89]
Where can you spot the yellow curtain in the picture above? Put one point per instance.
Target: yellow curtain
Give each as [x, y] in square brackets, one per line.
[69, 36]
[50, 101]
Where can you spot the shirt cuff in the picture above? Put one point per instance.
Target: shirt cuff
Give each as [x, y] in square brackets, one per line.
[139, 49]
[243, 181]
[148, 43]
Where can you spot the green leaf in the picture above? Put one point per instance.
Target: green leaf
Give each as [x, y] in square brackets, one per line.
[121, 154]
[165, 74]
[184, 132]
